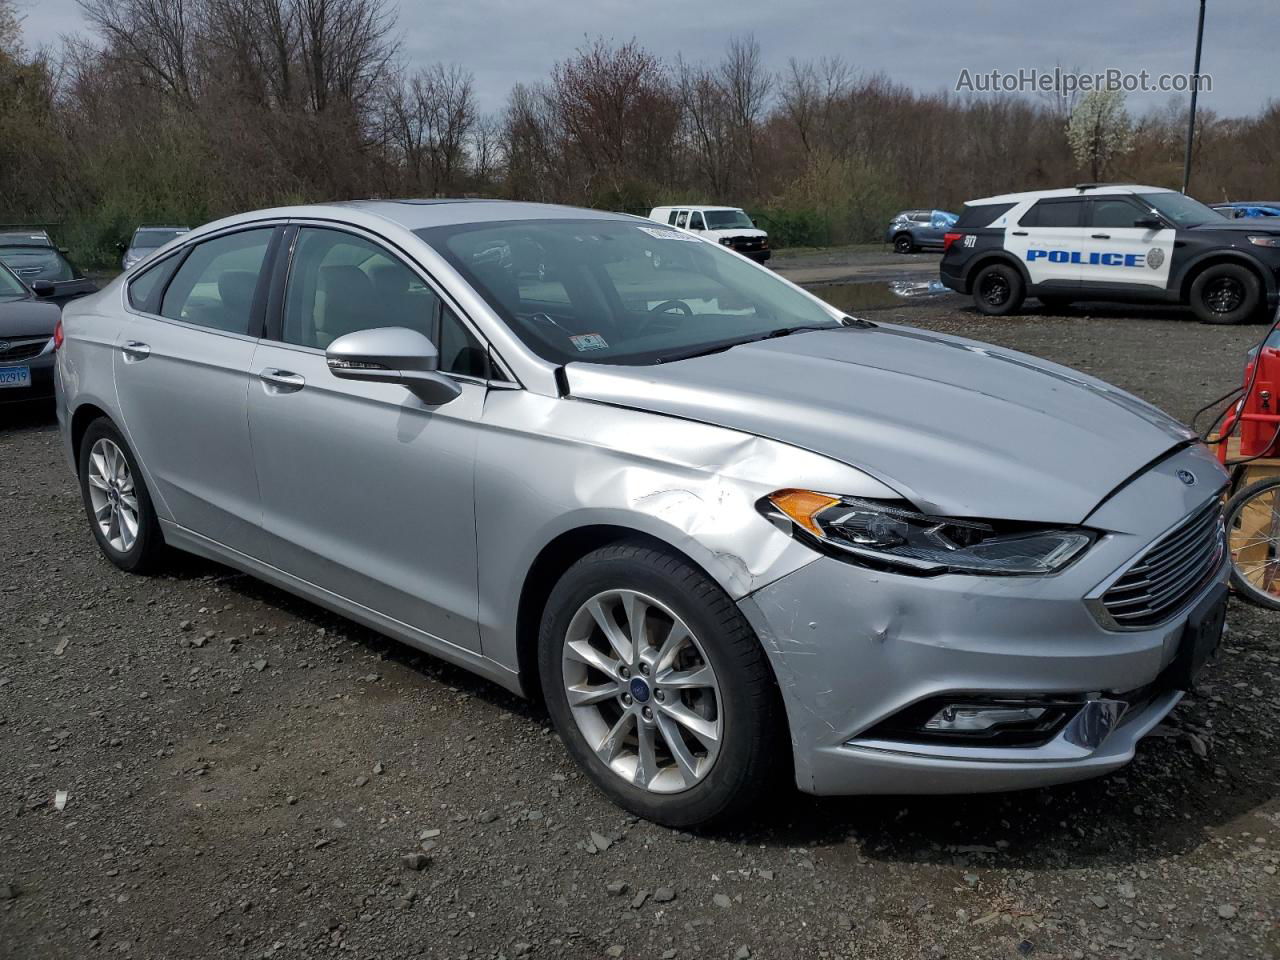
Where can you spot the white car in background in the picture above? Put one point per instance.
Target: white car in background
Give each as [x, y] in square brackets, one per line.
[728, 226]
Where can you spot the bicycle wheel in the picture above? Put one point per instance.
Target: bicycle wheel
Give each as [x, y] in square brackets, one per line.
[1253, 537]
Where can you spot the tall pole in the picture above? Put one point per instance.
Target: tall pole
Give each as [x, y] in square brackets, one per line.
[1195, 89]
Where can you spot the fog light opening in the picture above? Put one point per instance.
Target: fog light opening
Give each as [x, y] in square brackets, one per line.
[979, 720]
[958, 718]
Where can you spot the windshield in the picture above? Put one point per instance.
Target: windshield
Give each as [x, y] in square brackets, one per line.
[612, 291]
[10, 286]
[150, 239]
[727, 219]
[1179, 209]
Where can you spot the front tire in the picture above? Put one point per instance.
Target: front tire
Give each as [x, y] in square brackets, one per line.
[116, 500]
[998, 290]
[1225, 293]
[903, 243]
[659, 688]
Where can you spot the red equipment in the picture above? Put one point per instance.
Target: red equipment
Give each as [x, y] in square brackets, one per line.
[1258, 412]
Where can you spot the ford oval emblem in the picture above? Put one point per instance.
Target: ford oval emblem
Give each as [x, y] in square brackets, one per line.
[1187, 477]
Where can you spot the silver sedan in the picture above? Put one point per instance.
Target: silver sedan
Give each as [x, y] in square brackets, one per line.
[727, 533]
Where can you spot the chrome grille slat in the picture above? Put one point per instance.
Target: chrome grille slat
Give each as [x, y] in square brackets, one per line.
[1170, 572]
[23, 348]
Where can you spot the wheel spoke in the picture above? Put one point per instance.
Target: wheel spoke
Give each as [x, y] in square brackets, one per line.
[582, 694]
[676, 637]
[700, 676]
[613, 742]
[700, 727]
[647, 767]
[686, 763]
[584, 652]
[617, 639]
[637, 611]
[96, 481]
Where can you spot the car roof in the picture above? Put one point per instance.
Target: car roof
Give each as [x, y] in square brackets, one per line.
[694, 206]
[412, 214]
[1091, 190]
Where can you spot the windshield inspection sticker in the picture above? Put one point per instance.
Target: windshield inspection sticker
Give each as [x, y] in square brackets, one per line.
[589, 341]
[669, 234]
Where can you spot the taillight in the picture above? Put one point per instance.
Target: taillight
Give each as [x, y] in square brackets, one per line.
[57, 335]
[948, 239]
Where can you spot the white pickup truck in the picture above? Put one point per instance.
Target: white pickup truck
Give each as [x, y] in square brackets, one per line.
[729, 226]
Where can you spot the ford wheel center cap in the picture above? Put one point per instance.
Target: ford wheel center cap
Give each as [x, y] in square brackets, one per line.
[639, 689]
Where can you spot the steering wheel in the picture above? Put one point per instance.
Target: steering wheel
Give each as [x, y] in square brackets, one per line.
[666, 306]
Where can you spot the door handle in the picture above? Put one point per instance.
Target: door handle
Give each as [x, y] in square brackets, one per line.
[286, 381]
[135, 350]
[1019, 233]
[1101, 236]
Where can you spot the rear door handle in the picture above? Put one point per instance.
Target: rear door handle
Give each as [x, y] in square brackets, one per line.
[285, 381]
[135, 350]
[1019, 233]
[1101, 236]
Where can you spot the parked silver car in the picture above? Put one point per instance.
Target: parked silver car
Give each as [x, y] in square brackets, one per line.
[723, 529]
[146, 241]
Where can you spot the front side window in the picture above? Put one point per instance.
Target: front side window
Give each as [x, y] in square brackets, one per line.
[340, 283]
[1113, 212]
[614, 291]
[216, 283]
[728, 220]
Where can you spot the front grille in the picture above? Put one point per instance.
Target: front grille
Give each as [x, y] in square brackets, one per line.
[1170, 573]
[23, 349]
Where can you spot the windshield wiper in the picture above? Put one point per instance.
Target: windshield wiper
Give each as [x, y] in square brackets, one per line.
[724, 345]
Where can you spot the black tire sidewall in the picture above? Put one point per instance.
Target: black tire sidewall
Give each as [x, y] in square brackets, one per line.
[749, 743]
[903, 243]
[1017, 290]
[1237, 501]
[141, 555]
[1248, 307]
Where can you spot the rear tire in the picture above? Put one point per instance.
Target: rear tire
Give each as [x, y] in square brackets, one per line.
[903, 243]
[1225, 293]
[116, 500]
[998, 290]
[714, 745]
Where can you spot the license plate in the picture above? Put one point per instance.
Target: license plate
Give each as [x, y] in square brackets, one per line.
[15, 377]
[1200, 637]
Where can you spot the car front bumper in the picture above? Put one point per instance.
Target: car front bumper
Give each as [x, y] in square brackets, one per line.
[41, 388]
[852, 647]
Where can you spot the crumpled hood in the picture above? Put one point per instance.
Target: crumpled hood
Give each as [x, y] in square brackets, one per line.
[958, 427]
[27, 318]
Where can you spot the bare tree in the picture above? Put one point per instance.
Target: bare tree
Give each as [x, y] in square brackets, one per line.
[747, 85]
[154, 35]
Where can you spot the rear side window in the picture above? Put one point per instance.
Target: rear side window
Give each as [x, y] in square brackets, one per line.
[215, 285]
[146, 289]
[671, 217]
[683, 219]
[982, 214]
[1054, 213]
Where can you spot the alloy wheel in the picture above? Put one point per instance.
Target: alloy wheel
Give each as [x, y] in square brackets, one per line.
[642, 691]
[1224, 294]
[995, 290]
[113, 495]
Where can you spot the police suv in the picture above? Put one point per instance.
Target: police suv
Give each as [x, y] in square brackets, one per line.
[1115, 242]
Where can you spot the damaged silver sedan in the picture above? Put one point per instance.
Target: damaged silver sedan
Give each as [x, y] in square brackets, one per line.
[727, 533]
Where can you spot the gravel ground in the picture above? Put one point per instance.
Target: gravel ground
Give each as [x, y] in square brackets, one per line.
[246, 775]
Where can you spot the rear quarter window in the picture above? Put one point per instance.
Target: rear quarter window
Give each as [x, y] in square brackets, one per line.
[982, 215]
[146, 289]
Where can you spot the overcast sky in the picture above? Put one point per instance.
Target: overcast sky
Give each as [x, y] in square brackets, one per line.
[925, 43]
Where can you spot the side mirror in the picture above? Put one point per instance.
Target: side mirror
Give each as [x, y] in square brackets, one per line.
[1149, 223]
[392, 355]
[43, 288]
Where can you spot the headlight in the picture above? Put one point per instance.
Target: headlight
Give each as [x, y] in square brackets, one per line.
[891, 534]
[1265, 241]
